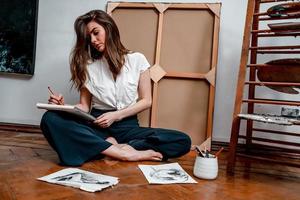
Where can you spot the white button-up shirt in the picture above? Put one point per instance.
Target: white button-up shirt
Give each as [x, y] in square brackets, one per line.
[107, 93]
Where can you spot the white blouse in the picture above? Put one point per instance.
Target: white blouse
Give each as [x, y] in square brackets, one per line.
[108, 94]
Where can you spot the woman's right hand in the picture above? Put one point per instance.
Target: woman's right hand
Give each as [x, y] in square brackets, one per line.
[56, 99]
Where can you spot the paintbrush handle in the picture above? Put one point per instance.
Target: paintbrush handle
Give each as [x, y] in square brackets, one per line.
[217, 154]
[198, 151]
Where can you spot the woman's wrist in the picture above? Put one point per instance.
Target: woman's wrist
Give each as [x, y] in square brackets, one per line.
[119, 115]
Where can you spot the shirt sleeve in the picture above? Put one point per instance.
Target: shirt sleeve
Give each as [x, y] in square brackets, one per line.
[143, 63]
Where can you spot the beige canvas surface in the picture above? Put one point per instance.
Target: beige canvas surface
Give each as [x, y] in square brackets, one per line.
[183, 105]
[138, 29]
[187, 41]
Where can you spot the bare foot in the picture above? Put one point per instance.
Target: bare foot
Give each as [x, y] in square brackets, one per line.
[128, 153]
[132, 154]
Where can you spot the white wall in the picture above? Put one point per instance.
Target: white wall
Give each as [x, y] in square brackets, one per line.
[55, 38]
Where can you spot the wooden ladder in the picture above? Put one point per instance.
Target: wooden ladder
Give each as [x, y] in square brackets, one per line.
[249, 66]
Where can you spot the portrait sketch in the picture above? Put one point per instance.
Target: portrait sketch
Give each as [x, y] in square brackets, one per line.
[166, 174]
[84, 180]
[18, 22]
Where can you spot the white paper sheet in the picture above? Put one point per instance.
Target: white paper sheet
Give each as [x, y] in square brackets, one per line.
[166, 174]
[84, 180]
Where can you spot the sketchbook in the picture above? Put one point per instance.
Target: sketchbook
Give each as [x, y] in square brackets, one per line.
[166, 174]
[84, 180]
[67, 108]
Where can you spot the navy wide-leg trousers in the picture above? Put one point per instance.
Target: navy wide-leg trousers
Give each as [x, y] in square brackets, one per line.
[77, 141]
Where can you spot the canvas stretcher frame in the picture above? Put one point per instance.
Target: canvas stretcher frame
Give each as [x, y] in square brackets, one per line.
[182, 51]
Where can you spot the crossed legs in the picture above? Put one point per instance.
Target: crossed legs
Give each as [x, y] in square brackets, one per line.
[77, 142]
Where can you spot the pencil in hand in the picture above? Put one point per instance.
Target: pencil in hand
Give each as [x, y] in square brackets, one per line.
[52, 93]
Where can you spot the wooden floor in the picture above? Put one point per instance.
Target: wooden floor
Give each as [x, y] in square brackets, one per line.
[25, 157]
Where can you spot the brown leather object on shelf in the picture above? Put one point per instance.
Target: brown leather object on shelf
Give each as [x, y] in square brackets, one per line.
[282, 70]
[285, 26]
[285, 9]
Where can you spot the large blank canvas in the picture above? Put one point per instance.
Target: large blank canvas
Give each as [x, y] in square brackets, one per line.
[182, 39]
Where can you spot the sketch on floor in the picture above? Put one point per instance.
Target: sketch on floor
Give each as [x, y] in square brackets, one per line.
[169, 175]
[84, 180]
[166, 174]
[79, 177]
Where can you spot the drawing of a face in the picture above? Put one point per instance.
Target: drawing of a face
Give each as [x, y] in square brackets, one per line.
[169, 175]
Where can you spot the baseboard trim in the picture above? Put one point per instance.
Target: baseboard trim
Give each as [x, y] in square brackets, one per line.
[24, 128]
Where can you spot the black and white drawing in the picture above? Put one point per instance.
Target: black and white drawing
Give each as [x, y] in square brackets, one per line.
[82, 179]
[166, 174]
[79, 177]
[169, 175]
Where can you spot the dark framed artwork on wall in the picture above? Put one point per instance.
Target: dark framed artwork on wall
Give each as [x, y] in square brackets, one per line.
[18, 25]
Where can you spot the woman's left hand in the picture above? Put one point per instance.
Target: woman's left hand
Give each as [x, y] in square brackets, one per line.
[106, 119]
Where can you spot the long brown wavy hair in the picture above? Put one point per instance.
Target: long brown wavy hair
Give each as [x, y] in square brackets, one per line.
[83, 52]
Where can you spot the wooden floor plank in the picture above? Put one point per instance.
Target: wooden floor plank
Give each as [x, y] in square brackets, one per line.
[24, 140]
[28, 145]
[25, 158]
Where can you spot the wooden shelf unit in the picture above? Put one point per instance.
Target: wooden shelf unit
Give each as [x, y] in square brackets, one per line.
[250, 51]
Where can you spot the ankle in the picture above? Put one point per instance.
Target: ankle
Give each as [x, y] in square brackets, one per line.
[125, 155]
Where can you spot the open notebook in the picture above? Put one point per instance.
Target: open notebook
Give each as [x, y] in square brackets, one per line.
[67, 108]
